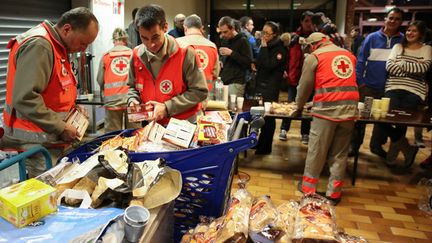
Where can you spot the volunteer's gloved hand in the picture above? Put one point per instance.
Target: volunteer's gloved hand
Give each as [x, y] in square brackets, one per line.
[69, 133]
[159, 112]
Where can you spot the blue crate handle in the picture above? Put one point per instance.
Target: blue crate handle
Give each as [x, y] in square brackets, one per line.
[21, 157]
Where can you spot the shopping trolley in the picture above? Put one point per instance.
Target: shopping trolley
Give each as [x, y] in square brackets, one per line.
[207, 172]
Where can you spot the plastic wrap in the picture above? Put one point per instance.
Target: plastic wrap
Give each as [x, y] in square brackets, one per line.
[346, 238]
[262, 219]
[425, 201]
[315, 220]
[286, 219]
[236, 222]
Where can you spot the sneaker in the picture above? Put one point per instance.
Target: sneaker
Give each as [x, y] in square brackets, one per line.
[419, 143]
[333, 201]
[305, 139]
[283, 135]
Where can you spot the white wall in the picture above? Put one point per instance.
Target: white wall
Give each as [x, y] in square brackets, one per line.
[186, 7]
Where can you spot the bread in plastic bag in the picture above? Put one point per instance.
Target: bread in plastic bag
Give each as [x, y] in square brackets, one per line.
[315, 220]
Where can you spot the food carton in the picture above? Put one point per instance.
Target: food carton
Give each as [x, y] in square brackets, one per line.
[26, 202]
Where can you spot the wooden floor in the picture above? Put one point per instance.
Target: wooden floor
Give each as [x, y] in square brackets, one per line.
[382, 206]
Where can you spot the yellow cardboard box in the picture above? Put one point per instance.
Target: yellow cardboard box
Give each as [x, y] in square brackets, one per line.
[26, 202]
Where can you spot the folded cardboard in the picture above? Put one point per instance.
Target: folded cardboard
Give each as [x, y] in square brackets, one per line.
[26, 202]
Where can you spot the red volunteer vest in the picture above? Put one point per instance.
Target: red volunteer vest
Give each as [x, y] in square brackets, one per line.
[207, 55]
[168, 84]
[59, 95]
[335, 80]
[116, 75]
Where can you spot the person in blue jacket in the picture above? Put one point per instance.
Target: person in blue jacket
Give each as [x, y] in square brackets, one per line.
[372, 75]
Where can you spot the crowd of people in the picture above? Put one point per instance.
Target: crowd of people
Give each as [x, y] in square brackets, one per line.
[172, 72]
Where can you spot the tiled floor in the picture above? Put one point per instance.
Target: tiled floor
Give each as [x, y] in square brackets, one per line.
[382, 206]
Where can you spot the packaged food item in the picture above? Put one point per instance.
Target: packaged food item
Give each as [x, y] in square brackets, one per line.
[346, 238]
[286, 219]
[315, 220]
[212, 133]
[236, 222]
[179, 132]
[26, 202]
[217, 116]
[139, 112]
[262, 219]
[77, 119]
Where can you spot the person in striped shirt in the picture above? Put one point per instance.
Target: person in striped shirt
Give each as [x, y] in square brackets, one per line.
[406, 85]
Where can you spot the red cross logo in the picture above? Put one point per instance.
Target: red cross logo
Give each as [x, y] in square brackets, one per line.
[121, 65]
[343, 66]
[203, 58]
[166, 87]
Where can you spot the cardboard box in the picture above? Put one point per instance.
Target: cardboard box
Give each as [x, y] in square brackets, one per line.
[179, 132]
[139, 113]
[78, 120]
[26, 202]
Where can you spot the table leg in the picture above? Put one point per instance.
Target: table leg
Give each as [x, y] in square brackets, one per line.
[357, 126]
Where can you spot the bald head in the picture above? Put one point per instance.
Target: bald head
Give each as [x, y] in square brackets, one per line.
[179, 20]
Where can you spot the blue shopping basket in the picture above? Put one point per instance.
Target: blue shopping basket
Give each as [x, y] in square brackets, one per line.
[207, 174]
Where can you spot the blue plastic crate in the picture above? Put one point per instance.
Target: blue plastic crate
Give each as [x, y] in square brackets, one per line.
[207, 174]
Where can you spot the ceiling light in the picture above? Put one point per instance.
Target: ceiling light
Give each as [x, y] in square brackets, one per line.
[252, 5]
[372, 19]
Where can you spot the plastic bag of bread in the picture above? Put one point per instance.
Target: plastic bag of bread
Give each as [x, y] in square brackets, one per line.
[262, 227]
[315, 220]
[236, 222]
[286, 219]
[346, 238]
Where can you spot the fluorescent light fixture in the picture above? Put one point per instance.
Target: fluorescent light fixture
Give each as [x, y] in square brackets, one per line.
[372, 19]
[252, 5]
[297, 4]
[388, 7]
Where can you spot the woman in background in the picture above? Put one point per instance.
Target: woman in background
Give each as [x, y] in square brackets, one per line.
[270, 64]
[406, 85]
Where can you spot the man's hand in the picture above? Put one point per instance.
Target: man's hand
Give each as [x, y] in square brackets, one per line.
[83, 110]
[225, 51]
[133, 102]
[69, 133]
[159, 112]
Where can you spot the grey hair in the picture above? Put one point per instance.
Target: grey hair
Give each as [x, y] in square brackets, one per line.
[193, 21]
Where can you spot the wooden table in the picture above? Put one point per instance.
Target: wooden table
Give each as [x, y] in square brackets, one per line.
[395, 117]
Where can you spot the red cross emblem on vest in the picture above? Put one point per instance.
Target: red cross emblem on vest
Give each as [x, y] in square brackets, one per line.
[119, 66]
[342, 66]
[166, 87]
[203, 57]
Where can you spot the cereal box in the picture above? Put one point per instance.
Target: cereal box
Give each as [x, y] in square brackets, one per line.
[26, 202]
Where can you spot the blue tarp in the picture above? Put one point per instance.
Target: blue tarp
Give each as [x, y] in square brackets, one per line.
[63, 226]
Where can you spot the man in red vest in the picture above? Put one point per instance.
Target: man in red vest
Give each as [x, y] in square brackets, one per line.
[112, 78]
[162, 74]
[41, 86]
[329, 71]
[204, 48]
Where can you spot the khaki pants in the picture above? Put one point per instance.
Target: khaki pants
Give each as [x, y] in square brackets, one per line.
[114, 120]
[328, 142]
